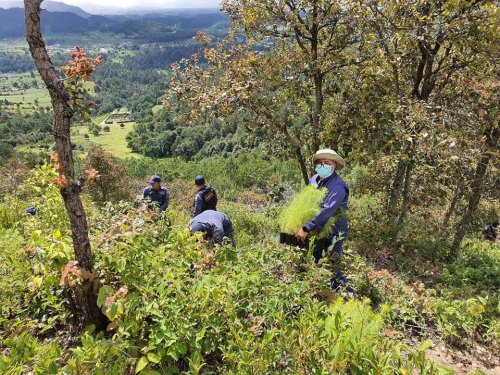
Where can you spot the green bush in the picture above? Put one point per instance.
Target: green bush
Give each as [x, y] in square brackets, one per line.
[230, 176]
[476, 269]
[25, 350]
[250, 314]
[250, 227]
[15, 269]
[462, 321]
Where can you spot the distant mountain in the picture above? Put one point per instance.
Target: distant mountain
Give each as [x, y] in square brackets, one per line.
[152, 7]
[51, 6]
[143, 28]
[12, 23]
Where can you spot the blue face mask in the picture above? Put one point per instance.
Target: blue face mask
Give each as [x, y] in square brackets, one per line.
[323, 171]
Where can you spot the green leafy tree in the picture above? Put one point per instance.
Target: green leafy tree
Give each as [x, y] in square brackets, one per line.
[422, 47]
[282, 89]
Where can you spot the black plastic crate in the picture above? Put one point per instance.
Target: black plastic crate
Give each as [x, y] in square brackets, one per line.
[290, 239]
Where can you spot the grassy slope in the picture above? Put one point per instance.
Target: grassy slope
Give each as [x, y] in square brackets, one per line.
[113, 141]
[28, 97]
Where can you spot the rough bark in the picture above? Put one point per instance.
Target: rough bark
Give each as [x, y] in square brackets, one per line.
[492, 138]
[451, 209]
[85, 298]
[396, 186]
[302, 164]
[405, 205]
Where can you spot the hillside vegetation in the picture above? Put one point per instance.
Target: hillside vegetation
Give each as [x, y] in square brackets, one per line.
[405, 92]
[259, 308]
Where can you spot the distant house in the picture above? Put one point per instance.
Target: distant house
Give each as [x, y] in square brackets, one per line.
[123, 116]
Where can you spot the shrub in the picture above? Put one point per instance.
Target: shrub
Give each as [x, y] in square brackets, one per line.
[15, 269]
[476, 269]
[190, 312]
[106, 128]
[114, 181]
[229, 176]
[460, 321]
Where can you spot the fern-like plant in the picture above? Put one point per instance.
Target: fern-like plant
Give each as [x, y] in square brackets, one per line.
[303, 207]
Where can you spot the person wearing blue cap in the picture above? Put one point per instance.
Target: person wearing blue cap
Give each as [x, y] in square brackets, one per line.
[214, 225]
[156, 195]
[31, 210]
[205, 198]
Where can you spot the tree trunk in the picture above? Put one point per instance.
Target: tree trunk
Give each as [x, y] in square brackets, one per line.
[302, 164]
[86, 299]
[475, 195]
[395, 192]
[405, 205]
[447, 216]
[316, 111]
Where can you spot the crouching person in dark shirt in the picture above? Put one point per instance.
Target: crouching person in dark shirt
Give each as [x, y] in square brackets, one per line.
[214, 225]
[155, 195]
[490, 232]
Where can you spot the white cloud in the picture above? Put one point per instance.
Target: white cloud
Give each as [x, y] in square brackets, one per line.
[148, 3]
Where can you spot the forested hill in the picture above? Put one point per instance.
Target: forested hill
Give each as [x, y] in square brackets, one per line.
[12, 23]
[51, 6]
[56, 22]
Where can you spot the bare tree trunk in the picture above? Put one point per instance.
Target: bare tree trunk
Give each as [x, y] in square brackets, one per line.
[405, 205]
[86, 299]
[475, 196]
[317, 110]
[395, 192]
[302, 164]
[447, 216]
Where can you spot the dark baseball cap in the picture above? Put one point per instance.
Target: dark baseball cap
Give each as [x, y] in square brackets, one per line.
[154, 179]
[199, 180]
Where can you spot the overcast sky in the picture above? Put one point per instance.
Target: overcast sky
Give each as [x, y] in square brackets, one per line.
[147, 3]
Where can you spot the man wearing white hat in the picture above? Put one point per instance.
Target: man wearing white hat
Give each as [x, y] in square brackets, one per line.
[326, 163]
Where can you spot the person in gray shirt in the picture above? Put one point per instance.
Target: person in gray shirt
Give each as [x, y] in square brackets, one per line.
[214, 225]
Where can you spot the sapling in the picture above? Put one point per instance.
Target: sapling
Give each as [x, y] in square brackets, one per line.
[303, 207]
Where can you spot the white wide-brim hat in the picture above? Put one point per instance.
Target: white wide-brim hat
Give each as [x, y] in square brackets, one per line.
[329, 154]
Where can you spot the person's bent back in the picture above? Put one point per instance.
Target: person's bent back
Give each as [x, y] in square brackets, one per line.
[214, 225]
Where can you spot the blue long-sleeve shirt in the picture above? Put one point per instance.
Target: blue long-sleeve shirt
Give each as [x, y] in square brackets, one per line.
[217, 225]
[157, 198]
[336, 198]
